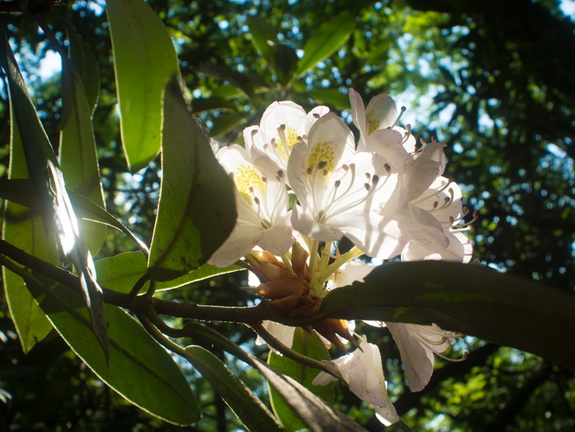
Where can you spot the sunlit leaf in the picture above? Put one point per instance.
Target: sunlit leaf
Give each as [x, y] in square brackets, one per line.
[470, 299]
[121, 272]
[78, 157]
[249, 409]
[137, 367]
[23, 192]
[86, 66]
[144, 60]
[196, 211]
[329, 37]
[24, 226]
[310, 345]
[45, 172]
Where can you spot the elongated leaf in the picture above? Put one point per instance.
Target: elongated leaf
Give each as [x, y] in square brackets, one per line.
[264, 37]
[329, 37]
[224, 73]
[45, 172]
[86, 66]
[24, 227]
[329, 96]
[144, 60]
[233, 391]
[284, 62]
[78, 157]
[137, 367]
[23, 192]
[471, 299]
[227, 122]
[310, 345]
[121, 272]
[196, 211]
[316, 413]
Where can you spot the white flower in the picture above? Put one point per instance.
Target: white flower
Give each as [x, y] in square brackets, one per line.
[443, 201]
[379, 132]
[283, 125]
[338, 190]
[262, 204]
[417, 346]
[363, 372]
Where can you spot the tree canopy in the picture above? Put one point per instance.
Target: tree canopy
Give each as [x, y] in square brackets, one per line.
[493, 80]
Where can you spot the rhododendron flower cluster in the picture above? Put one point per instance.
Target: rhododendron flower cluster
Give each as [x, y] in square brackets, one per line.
[303, 184]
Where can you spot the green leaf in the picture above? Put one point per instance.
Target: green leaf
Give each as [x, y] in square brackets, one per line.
[284, 63]
[227, 122]
[329, 96]
[86, 66]
[23, 192]
[316, 413]
[78, 157]
[213, 103]
[224, 73]
[196, 211]
[467, 298]
[121, 272]
[24, 227]
[233, 391]
[310, 345]
[264, 37]
[144, 60]
[137, 367]
[45, 172]
[329, 37]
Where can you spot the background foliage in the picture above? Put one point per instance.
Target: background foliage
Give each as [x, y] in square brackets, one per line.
[492, 79]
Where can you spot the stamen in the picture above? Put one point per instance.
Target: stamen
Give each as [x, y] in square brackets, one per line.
[281, 132]
[407, 134]
[402, 110]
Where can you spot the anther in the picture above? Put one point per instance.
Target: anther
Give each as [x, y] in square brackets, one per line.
[387, 168]
[337, 183]
[321, 165]
[264, 179]
[367, 186]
